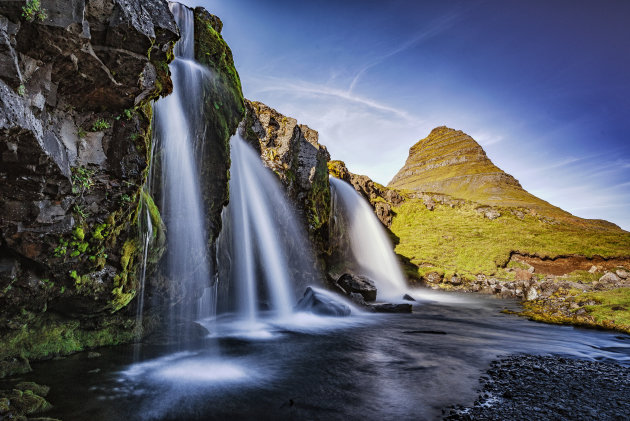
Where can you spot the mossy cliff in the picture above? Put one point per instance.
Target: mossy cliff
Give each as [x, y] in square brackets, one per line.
[293, 153]
[508, 243]
[75, 140]
[223, 111]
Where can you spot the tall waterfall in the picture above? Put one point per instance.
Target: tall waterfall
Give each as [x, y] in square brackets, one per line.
[371, 249]
[175, 119]
[266, 251]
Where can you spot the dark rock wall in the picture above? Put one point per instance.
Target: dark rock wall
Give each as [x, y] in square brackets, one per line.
[75, 92]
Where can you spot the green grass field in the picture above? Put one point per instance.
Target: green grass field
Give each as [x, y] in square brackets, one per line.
[461, 240]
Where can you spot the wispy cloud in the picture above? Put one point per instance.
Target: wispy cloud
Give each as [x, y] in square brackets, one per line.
[302, 87]
[435, 28]
[487, 139]
[563, 163]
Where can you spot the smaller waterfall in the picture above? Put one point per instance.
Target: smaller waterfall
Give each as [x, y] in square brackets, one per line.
[371, 248]
[266, 251]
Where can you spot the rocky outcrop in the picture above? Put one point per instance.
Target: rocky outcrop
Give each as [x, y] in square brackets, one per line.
[24, 399]
[380, 197]
[75, 117]
[293, 152]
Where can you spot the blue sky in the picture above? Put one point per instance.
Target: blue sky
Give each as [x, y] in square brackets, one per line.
[543, 86]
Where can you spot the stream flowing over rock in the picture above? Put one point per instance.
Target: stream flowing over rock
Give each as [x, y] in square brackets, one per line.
[293, 152]
[75, 141]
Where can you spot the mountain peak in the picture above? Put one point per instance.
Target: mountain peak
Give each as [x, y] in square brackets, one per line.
[451, 162]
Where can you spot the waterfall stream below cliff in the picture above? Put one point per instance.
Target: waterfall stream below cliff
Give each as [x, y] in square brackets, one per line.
[372, 251]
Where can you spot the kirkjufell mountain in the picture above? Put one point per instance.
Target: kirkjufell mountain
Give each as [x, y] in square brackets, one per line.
[449, 161]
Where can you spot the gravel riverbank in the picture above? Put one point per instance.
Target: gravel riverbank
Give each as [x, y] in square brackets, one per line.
[549, 388]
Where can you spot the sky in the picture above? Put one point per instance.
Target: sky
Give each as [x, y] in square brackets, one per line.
[543, 86]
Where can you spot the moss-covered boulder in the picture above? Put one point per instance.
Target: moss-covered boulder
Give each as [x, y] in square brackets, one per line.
[26, 398]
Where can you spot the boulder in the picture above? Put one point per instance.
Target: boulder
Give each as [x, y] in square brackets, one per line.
[390, 308]
[622, 273]
[357, 299]
[456, 280]
[489, 212]
[320, 302]
[359, 284]
[433, 277]
[523, 275]
[532, 294]
[609, 278]
[408, 297]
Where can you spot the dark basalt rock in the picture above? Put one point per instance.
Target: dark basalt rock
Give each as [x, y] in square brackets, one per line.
[321, 303]
[358, 284]
[75, 115]
[390, 308]
[223, 111]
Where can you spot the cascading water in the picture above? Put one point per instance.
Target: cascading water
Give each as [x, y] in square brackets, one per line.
[267, 251]
[371, 248]
[175, 126]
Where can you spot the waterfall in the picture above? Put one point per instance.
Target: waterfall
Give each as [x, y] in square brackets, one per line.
[147, 236]
[372, 251]
[176, 118]
[266, 252]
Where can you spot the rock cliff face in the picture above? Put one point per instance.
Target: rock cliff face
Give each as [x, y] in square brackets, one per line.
[293, 152]
[74, 146]
[451, 162]
[381, 198]
[75, 137]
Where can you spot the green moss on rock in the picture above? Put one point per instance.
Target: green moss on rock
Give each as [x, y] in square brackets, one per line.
[55, 335]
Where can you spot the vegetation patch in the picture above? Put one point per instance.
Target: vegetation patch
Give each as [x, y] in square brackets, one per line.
[100, 125]
[33, 11]
[462, 240]
[603, 309]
